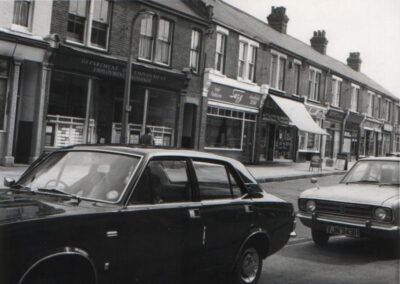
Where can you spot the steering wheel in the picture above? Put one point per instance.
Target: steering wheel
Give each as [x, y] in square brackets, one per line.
[64, 185]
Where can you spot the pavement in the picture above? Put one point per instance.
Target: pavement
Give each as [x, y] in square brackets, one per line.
[274, 171]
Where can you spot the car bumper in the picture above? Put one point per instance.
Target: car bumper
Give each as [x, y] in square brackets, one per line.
[367, 228]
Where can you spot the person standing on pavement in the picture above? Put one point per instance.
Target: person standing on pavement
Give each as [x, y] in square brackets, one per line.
[147, 138]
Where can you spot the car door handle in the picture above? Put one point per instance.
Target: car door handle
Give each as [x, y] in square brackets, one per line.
[194, 213]
[248, 208]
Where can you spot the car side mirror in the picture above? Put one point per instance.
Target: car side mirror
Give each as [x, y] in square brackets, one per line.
[314, 180]
[254, 190]
[9, 181]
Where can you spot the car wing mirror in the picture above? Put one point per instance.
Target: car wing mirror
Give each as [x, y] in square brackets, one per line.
[314, 180]
[254, 191]
[9, 181]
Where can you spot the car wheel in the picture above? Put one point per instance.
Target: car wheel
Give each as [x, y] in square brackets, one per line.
[248, 267]
[320, 238]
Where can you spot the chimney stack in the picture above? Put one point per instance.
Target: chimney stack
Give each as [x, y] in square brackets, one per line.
[319, 41]
[278, 19]
[354, 61]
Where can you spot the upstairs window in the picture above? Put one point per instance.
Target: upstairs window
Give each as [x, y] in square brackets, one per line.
[247, 59]
[355, 93]
[220, 52]
[314, 80]
[195, 47]
[22, 12]
[297, 68]
[88, 22]
[4, 73]
[158, 51]
[336, 90]
[388, 110]
[242, 59]
[371, 103]
[278, 71]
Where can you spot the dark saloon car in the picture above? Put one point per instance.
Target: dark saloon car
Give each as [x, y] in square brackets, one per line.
[365, 203]
[115, 214]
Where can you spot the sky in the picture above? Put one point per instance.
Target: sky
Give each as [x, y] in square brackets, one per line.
[371, 27]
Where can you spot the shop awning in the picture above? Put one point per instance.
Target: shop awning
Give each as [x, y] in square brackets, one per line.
[298, 115]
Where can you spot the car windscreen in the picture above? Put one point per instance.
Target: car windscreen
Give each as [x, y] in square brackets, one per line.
[379, 172]
[88, 174]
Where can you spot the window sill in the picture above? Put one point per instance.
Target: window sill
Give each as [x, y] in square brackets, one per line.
[246, 81]
[143, 60]
[90, 47]
[314, 101]
[20, 29]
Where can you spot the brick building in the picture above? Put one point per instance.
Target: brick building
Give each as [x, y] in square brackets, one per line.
[205, 75]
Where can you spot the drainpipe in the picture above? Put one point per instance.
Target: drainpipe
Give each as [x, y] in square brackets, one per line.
[342, 132]
[359, 136]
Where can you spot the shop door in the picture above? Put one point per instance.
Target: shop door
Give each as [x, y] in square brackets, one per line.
[271, 142]
[189, 126]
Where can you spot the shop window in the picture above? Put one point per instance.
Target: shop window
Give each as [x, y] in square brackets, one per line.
[22, 12]
[4, 73]
[336, 90]
[247, 59]
[220, 52]
[225, 128]
[314, 80]
[297, 68]
[163, 43]
[81, 14]
[355, 94]
[195, 47]
[278, 71]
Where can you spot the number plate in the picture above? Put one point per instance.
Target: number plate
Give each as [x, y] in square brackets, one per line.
[338, 230]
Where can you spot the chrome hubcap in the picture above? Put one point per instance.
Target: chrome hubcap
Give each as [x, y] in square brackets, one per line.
[250, 265]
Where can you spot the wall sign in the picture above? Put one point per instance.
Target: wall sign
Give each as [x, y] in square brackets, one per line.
[388, 127]
[234, 96]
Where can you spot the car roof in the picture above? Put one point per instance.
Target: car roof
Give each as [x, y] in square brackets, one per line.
[393, 159]
[150, 151]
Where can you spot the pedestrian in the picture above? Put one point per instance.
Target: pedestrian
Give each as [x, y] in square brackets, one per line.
[147, 138]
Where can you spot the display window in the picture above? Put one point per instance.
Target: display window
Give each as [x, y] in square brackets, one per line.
[229, 129]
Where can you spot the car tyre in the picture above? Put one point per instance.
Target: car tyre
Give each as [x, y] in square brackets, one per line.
[320, 238]
[248, 267]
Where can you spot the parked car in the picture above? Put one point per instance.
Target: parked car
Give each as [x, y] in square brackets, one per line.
[114, 214]
[364, 204]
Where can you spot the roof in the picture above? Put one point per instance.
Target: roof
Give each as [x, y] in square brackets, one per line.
[234, 18]
[178, 5]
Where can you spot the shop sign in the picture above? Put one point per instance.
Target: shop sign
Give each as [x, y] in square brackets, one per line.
[235, 96]
[335, 114]
[388, 127]
[371, 125]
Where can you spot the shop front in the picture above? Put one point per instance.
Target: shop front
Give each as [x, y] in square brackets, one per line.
[333, 125]
[86, 101]
[287, 131]
[231, 121]
[396, 145]
[352, 135]
[371, 131]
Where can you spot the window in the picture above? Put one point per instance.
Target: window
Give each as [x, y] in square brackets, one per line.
[355, 93]
[225, 128]
[4, 72]
[310, 141]
[220, 52]
[195, 48]
[88, 22]
[22, 12]
[162, 44]
[314, 80]
[247, 59]
[388, 110]
[297, 68]
[371, 103]
[215, 181]
[336, 90]
[379, 107]
[163, 181]
[278, 71]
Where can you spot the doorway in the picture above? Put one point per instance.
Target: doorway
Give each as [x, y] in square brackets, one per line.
[189, 126]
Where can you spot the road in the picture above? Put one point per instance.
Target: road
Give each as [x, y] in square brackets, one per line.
[343, 260]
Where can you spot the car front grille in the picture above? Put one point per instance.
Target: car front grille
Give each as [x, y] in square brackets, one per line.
[347, 209]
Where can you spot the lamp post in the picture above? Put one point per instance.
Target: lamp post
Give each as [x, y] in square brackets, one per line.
[124, 139]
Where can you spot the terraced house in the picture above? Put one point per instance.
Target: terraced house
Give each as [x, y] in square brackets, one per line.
[204, 75]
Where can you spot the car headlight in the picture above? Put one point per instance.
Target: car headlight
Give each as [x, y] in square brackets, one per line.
[310, 206]
[382, 214]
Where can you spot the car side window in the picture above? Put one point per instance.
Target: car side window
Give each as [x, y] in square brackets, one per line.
[236, 191]
[164, 181]
[213, 180]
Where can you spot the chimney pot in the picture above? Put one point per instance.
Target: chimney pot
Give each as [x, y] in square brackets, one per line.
[278, 19]
[319, 41]
[354, 61]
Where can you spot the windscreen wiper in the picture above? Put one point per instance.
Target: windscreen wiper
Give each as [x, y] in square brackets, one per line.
[59, 191]
[388, 183]
[362, 181]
